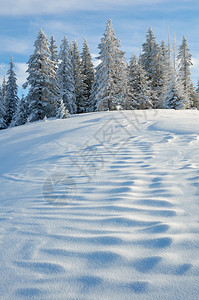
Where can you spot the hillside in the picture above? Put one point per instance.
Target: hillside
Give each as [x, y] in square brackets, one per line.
[101, 206]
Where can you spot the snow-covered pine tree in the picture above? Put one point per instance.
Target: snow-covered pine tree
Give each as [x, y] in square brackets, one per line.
[11, 99]
[197, 88]
[138, 86]
[131, 100]
[42, 80]
[88, 72]
[151, 62]
[53, 49]
[4, 87]
[143, 88]
[62, 113]
[80, 85]
[93, 99]
[174, 98]
[2, 112]
[20, 117]
[66, 77]
[3, 102]
[184, 74]
[167, 71]
[54, 56]
[174, 53]
[110, 86]
[196, 100]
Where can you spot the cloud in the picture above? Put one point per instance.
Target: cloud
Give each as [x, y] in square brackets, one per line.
[62, 28]
[3, 71]
[195, 61]
[195, 69]
[14, 45]
[20, 70]
[31, 7]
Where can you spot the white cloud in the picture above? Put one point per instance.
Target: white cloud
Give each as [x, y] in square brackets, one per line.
[30, 7]
[62, 28]
[14, 45]
[20, 70]
[3, 71]
[195, 61]
[195, 69]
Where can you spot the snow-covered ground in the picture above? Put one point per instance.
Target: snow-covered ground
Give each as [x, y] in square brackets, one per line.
[101, 206]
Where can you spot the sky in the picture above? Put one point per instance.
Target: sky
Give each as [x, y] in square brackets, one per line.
[20, 21]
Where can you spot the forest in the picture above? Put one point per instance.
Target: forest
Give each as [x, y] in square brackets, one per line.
[64, 82]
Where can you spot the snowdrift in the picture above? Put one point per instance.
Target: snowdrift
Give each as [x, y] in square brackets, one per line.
[101, 206]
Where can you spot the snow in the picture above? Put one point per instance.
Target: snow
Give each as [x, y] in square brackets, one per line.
[101, 206]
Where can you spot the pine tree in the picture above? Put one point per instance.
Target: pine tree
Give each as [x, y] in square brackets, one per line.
[184, 74]
[80, 86]
[174, 98]
[43, 92]
[20, 117]
[53, 50]
[197, 88]
[196, 99]
[54, 55]
[88, 72]
[131, 100]
[94, 96]
[110, 86]
[151, 62]
[11, 99]
[2, 112]
[138, 86]
[166, 71]
[4, 87]
[62, 113]
[66, 77]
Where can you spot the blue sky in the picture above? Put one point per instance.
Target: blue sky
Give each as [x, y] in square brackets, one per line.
[20, 21]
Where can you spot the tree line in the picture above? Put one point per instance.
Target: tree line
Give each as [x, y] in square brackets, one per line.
[65, 82]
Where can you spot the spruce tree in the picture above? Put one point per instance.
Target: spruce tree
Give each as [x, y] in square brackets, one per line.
[196, 99]
[66, 77]
[174, 98]
[80, 85]
[2, 112]
[4, 87]
[151, 62]
[62, 113]
[54, 56]
[110, 86]
[88, 72]
[53, 50]
[138, 86]
[42, 81]
[197, 88]
[11, 99]
[131, 100]
[184, 74]
[166, 71]
[21, 115]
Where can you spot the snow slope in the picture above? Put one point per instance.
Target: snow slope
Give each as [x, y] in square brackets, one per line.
[101, 206]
